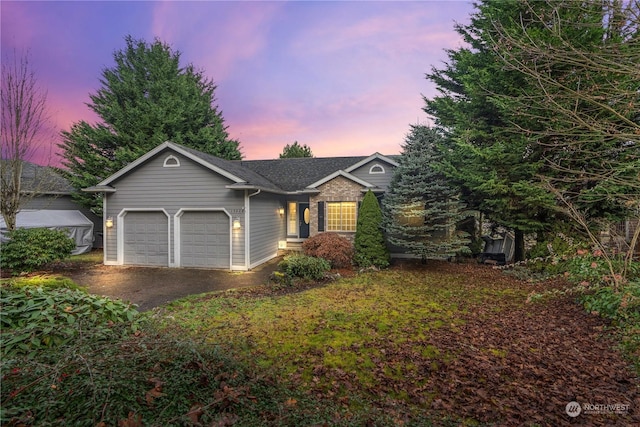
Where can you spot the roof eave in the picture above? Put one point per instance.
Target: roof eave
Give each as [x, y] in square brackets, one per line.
[371, 158]
[247, 186]
[99, 189]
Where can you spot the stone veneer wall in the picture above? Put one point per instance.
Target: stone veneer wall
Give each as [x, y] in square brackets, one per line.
[339, 189]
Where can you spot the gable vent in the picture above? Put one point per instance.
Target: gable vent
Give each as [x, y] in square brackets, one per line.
[171, 161]
[376, 169]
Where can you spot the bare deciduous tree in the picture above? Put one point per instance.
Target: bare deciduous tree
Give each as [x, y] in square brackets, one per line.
[24, 130]
[582, 110]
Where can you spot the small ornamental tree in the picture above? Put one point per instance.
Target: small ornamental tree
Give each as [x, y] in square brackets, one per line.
[421, 210]
[370, 246]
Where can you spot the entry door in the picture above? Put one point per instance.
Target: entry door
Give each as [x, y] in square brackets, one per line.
[303, 220]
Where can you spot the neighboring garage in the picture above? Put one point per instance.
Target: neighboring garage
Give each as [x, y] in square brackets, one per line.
[204, 239]
[146, 238]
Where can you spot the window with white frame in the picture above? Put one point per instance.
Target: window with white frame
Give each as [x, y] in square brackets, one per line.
[341, 216]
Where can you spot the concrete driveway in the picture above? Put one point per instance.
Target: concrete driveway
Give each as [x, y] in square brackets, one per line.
[151, 287]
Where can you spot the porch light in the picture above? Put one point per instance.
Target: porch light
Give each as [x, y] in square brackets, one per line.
[109, 222]
[281, 211]
[236, 224]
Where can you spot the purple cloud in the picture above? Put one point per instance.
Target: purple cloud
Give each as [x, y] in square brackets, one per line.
[344, 78]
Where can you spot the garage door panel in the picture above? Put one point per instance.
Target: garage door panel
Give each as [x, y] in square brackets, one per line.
[204, 240]
[146, 239]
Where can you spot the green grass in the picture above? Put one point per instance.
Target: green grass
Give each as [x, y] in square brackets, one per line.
[52, 281]
[398, 347]
[351, 326]
[93, 257]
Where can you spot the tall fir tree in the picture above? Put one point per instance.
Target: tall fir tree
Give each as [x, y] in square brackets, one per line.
[147, 98]
[421, 209]
[543, 98]
[494, 165]
[369, 243]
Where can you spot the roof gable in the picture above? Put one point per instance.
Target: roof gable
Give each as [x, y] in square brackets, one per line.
[336, 174]
[180, 149]
[293, 175]
[375, 156]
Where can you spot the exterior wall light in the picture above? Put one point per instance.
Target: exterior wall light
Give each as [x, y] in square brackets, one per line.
[109, 222]
[281, 211]
[236, 224]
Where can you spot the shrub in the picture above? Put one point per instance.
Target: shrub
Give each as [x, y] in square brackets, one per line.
[151, 378]
[37, 318]
[305, 267]
[332, 247]
[370, 246]
[622, 305]
[30, 248]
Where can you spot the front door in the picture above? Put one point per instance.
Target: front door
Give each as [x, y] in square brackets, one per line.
[303, 220]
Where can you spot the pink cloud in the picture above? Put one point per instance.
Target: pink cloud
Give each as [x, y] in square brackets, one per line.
[218, 38]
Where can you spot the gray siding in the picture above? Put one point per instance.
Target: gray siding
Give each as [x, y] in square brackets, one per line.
[267, 227]
[190, 186]
[382, 180]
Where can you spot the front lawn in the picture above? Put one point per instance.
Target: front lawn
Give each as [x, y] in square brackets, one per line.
[440, 343]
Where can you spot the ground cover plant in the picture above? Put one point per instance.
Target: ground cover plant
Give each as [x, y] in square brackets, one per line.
[70, 358]
[424, 345]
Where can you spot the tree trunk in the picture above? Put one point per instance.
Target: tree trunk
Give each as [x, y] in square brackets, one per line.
[518, 242]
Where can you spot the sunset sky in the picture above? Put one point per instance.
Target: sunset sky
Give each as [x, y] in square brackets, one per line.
[345, 78]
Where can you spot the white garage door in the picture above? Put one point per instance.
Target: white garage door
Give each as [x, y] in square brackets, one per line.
[204, 240]
[146, 239]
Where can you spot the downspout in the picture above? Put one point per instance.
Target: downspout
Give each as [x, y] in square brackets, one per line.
[247, 227]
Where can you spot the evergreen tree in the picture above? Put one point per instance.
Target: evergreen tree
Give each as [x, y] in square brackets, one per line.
[295, 150]
[541, 107]
[494, 165]
[145, 100]
[370, 245]
[421, 209]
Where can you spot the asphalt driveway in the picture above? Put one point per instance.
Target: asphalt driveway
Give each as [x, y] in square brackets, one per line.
[151, 287]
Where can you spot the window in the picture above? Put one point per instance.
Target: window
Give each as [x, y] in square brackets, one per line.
[376, 169]
[341, 216]
[292, 223]
[171, 161]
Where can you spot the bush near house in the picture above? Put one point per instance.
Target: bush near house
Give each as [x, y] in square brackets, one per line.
[370, 246]
[304, 266]
[30, 248]
[334, 248]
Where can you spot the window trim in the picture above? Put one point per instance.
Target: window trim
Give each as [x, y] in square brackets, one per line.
[171, 158]
[376, 169]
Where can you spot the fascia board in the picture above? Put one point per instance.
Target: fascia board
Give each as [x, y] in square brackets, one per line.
[158, 149]
[335, 175]
[375, 156]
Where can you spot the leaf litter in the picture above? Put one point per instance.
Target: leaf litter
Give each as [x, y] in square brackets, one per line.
[443, 341]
